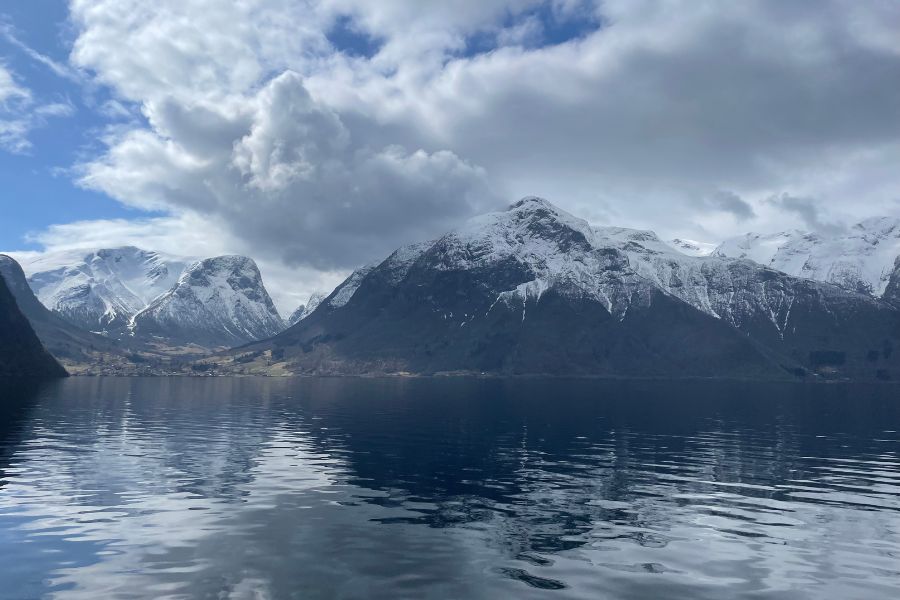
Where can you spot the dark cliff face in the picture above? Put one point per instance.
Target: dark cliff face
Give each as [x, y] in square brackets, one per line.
[892, 291]
[537, 292]
[61, 338]
[21, 352]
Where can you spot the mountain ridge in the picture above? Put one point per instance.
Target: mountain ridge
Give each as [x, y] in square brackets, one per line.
[105, 290]
[858, 259]
[496, 295]
[304, 310]
[219, 300]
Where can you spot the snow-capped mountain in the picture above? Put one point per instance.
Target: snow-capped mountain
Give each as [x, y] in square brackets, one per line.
[101, 290]
[218, 301]
[534, 289]
[304, 310]
[862, 259]
[692, 247]
[122, 291]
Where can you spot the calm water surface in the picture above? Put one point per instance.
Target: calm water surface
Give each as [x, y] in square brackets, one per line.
[342, 488]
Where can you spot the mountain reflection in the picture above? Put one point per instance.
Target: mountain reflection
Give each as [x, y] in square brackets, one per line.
[447, 488]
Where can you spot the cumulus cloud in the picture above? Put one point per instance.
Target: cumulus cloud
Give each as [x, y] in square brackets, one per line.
[666, 102]
[257, 117]
[286, 174]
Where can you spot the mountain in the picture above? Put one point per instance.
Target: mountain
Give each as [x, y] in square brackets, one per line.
[892, 289]
[535, 290]
[692, 248]
[21, 352]
[218, 301]
[101, 290]
[304, 310]
[76, 348]
[132, 295]
[861, 259]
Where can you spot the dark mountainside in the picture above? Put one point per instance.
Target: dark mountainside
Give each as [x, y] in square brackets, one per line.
[79, 350]
[64, 340]
[892, 291]
[21, 352]
[534, 290]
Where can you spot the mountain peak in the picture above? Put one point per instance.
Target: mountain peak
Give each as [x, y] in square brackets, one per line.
[531, 203]
[304, 310]
[534, 206]
[533, 289]
[228, 261]
[109, 252]
[219, 301]
[12, 272]
[114, 289]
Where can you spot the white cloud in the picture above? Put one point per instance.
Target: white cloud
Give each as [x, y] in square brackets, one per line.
[190, 49]
[19, 113]
[682, 116]
[668, 102]
[10, 90]
[61, 70]
[288, 176]
[184, 234]
[14, 124]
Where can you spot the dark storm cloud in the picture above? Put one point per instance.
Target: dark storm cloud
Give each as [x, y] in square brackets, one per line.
[809, 211]
[731, 203]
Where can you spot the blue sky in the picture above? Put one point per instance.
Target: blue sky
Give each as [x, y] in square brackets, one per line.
[317, 136]
[37, 182]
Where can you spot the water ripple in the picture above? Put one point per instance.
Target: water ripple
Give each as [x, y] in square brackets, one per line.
[246, 488]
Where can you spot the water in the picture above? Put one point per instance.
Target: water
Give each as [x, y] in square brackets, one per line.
[351, 488]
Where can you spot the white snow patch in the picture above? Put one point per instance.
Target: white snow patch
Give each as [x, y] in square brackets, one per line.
[862, 259]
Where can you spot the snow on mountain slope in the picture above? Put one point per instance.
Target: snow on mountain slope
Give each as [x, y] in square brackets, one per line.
[100, 290]
[692, 247]
[862, 259]
[536, 289]
[304, 310]
[342, 293]
[219, 301]
[615, 266]
[129, 292]
[756, 247]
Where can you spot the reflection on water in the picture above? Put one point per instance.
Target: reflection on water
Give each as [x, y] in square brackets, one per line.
[321, 488]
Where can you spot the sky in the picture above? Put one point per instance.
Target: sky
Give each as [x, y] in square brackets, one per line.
[318, 135]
